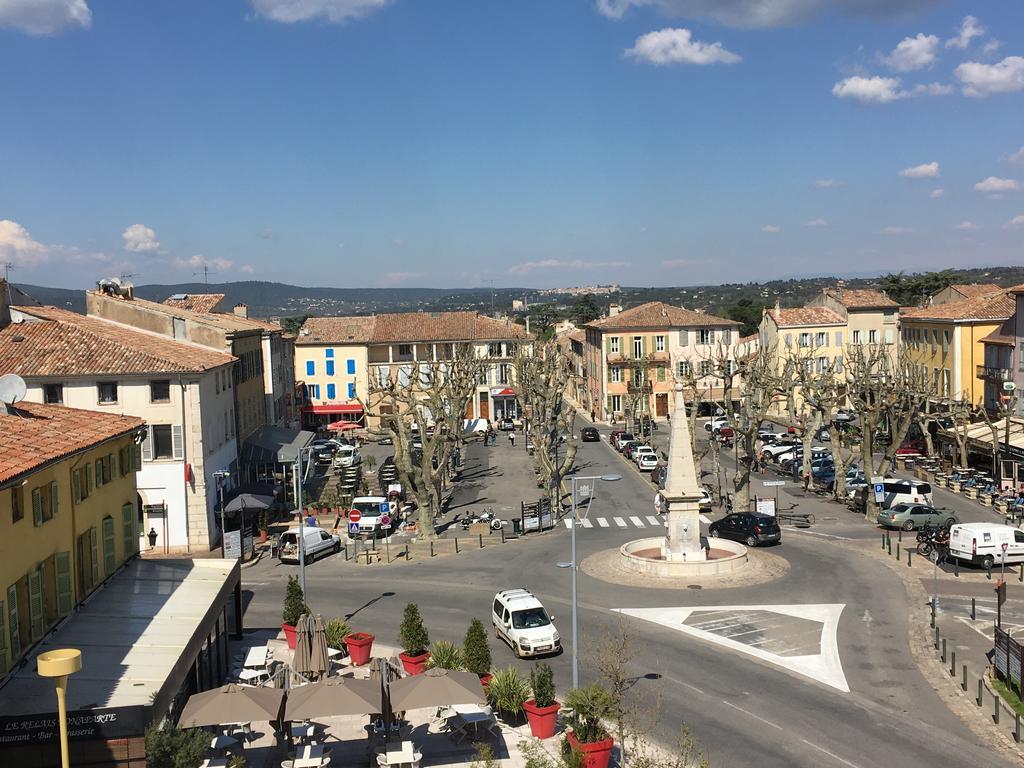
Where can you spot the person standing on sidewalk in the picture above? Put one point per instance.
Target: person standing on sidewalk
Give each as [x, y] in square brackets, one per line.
[512, 439]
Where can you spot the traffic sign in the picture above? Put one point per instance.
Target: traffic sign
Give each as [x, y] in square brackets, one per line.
[355, 516]
[385, 520]
[384, 507]
[773, 483]
[353, 528]
[1004, 545]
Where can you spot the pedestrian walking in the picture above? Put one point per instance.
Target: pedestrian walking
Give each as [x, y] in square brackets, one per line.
[512, 439]
[593, 415]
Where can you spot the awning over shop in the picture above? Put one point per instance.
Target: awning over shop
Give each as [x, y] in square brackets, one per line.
[503, 392]
[275, 445]
[333, 408]
[979, 436]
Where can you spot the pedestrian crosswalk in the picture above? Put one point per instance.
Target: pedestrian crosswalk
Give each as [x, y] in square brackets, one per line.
[654, 521]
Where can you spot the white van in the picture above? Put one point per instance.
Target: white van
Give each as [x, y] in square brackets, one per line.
[982, 543]
[347, 456]
[373, 510]
[316, 542]
[899, 491]
[521, 621]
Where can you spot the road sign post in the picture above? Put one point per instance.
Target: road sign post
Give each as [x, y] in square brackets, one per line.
[1000, 599]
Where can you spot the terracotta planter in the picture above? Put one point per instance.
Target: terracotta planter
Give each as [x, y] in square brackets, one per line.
[543, 720]
[359, 645]
[289, 635]
[415, 665]
[263, 537]
[596, 754]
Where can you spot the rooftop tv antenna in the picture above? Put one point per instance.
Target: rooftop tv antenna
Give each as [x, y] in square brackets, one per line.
[206, 274]
[12, 390]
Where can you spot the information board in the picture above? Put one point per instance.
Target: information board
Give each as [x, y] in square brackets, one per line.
[765, 505]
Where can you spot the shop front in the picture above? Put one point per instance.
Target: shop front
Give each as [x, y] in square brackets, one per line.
[504, 404]
[317, 417]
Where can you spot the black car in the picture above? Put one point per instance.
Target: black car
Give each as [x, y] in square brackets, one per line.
[753, 530]
[506, 425]
[589, 435]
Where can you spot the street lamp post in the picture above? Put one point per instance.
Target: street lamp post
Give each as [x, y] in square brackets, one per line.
[574, 566]
[222, 475]
[302, 521]
[60, 665]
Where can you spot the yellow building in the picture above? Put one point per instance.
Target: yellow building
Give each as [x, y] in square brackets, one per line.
[947, 341]
[331, 367]
[67, 513]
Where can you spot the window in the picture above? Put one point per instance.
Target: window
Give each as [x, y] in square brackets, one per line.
[101, 473]
[17, 504]
[706, 368]
[44, 503]
[351, 391]
[805, 339]
[329, 353]
[106, 392]
[684, 338]
[310, 368]
[613, 345]
[888, 335]
[615, 374]
[659, 343]
[821, 339]
[839, 363]
[494, 349]
[405, 350]
[705, 336]
[314, 391]
[53, 394]
[889, 316]
[872, 337]
[822, 364]
[684, 368]
[160, 391]
[350, 367]
[946, 379]
[162, 446]
[331, 391]
[504, 373]
[638, 346]
[329, 365]
[638, 377]
[616, 403]
[856, 337]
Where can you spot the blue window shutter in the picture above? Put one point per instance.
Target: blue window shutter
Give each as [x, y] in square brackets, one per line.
[330, 391]
[351, 367]
[351, 391]
[329, 353]
[330, 367]
[310, 368]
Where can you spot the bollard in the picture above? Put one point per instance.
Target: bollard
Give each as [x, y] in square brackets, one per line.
[979, 700]
[943, 654]
[956, 567]
[952, 663]
[897, 550]
[1016, 727]
[502, 534]
[456, 545]
[909, 553]
[932, 602]
[888, 543]
[1020, 576]
[481, 537]
[346, 553]
[431, 549]
[899, 535]
[883, 541]
[995, 710]
[936, 638]
[988, 575]
[973, 609]
[407, 553]
[963, 685]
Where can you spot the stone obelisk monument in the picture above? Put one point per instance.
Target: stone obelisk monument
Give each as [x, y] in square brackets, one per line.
[682, 491]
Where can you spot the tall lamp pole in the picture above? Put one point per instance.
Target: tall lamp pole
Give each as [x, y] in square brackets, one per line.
[574, 566]
[302, 521]
[60, 665]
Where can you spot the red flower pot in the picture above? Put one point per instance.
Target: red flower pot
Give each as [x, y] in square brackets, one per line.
[263, 537]
[289, 635]
[596, 754]
[542, 719]
[359, 645]
[414, 665]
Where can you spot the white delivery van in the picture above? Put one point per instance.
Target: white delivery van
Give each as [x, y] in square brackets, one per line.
[899, 491]
[316, 542]
[521, 621]
[982, 543]
[373, 510]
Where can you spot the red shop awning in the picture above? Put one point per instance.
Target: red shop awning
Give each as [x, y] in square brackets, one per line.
[327, 410]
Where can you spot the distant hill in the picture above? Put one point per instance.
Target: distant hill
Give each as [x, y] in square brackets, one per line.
[266, 299]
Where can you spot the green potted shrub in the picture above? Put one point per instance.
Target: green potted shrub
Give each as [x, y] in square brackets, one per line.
[446, 655]
[171, 746]
[477, 651]
[294, 607]
[413, 638]
[508, 692]
[542, 709]
[588, 736]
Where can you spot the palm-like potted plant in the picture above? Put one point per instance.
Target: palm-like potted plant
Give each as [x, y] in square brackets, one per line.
[588, 736]
[445, 654]
[413, 637]
[508, 692]
[477, 651]
[542, 709]
[294, 607]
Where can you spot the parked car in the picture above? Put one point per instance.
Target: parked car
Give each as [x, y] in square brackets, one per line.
[323, 450]
[347, 456]
[909, 517]
[776, 451]
[622, 438]
[899, 491]
[628, 448]
[753, 530]
[982, 543]
[506, 425]
[641, 450]
[520, 620]
[706, 500]
[716, 423]
[647, 462]
[315, 542]
[844, 415]
[590, 435]
[613, 437]
[658, 475]
[372, 513]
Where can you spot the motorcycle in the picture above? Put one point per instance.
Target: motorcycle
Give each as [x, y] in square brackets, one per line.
[487, 516]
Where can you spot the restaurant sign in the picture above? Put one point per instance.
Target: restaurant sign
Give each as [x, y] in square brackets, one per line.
[110, 723]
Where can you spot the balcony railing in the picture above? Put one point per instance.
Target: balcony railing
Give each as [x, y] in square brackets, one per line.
[988, 373]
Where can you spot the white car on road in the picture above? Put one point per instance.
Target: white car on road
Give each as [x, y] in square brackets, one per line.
[647, 462]
[316, 542]
[521, 621]
[643, 450]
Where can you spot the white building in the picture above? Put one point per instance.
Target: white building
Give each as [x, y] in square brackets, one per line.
[183, 391]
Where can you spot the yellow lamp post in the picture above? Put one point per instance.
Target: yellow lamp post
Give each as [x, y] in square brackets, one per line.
[59, 665]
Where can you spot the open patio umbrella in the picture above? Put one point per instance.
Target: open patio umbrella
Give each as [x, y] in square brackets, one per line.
[232, 704]
[435, 688]
[334, 697]
[343, 426]
[249, 502]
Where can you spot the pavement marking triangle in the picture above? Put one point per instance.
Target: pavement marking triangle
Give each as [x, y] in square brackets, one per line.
[824, 666]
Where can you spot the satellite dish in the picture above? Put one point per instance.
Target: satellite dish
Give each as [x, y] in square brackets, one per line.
[12, 389]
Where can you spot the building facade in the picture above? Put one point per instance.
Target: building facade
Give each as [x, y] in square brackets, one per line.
[67, 514]
[331, 369]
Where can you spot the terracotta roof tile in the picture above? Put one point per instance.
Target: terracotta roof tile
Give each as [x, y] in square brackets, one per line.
[33, 434]
[657, 314]
[997, 307]
[443, 326]
[862, 298]
[972, 290]
[806, 316]
[196, 302]
[226, 321]
[336, 330]
[64, 343]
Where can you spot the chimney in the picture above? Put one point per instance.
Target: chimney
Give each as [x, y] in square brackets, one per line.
[613, 310]
[527, 323]
[5, 305]
[242, 310]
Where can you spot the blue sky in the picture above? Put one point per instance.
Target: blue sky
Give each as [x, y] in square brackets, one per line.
[533, 143]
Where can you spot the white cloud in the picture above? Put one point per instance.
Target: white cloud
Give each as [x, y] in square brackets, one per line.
[923, 171]
[18, 247]
[771, 229]
[816, 223]
[931, 89]
[138, 238]
[968, 30]
[44, 17]
[966, 225]
[897, 231]
[677, 46]
[981, 80]
[266, 233]
[531, 266]
[869, 90]
[1016, 221]
[936, 193]
[994, 185]
[829, 184]
[198, 262]
[762, 13]
[247, 268]
[913, 53]
[1017, 158]
[334, 11]
[402, 277]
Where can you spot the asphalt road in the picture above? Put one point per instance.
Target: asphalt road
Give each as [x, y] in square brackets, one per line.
[744, 710]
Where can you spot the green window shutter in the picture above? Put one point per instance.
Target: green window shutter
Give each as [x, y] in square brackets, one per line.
[65, 598]
[54, 499]
[35, 604]
[99, 473]
[109, 553]
[94, 550]
[76, 486]
[661, 373]
[4, 661]
[128, 532]
[37, 506]
[12, 615]
[111, 467]
[88, 479]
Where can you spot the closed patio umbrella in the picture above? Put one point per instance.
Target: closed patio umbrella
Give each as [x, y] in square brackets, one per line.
[319, 660]
[435, 688]
[232, 704]
[334, 697]
[301, 661]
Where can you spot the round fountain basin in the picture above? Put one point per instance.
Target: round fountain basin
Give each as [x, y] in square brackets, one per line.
[646, 556]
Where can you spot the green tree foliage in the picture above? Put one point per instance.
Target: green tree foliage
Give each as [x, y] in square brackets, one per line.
[172, 747]
[294, 601]
[913, 290]
[292, 324]
[584, 309]
[412, 634]
[476, 650]
[748, 312]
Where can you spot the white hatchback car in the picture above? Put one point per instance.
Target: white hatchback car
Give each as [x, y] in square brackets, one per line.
[647, 462]
[643, 450]
[521, 621]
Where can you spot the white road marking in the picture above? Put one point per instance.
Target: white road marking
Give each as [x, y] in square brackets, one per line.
[585, 522]
[619, 522]
[568, 522]
[636, 521]
[705, 519]
[751, 714]
[830, 754]
[818, 533]
[654, 521]
[602, 522]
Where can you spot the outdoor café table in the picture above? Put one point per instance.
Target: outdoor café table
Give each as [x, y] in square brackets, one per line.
[308, 756]
[472, 715]
[398, 754]
[252, 675]
[214, 762]
[257, 657]
[303, 730]
[222, 741]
